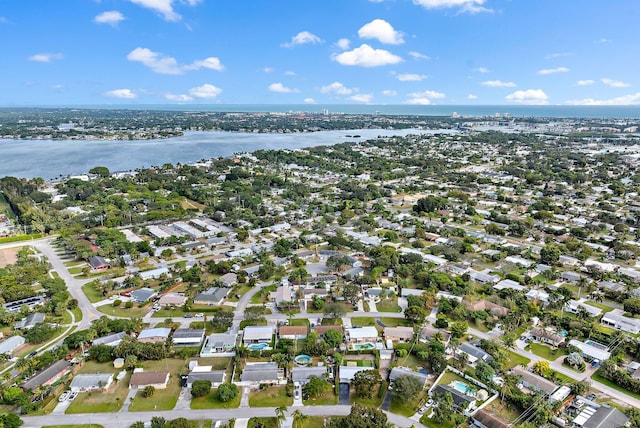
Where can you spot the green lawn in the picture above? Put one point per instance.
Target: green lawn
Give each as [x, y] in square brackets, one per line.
[211, 401]
[273, 396]
[424, 420]
[359, 363]
[395, 322]
[376, 399]
[221, 363]
[388, 305]
[92, 293]
[317, 422]
[135, 312]
[596, 376]
[327, 399]
[411, 361]
[300, 322]
[363, 321]
[76, 269]
[263, 295]
[406, 408]
[77, 313]
[100, 402]
[546, 352]
[605, 308]
[516, 360]
[162, 399]
[263, 423]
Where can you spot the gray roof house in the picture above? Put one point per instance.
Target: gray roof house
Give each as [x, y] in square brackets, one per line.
[533, 381]
[474, 353]
[460, 400]
[214, 376]
[154, 335]
[110, 340]
[10, 344]
[218, 343]
[213, 296]
[260, 372]
[30, 321]
[188, 337]
[304, 374]
[91, 382]
[48, 376]
[404, 371]
[142, 295]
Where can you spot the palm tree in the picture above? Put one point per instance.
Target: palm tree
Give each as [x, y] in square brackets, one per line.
[281, 414]
[298, 418]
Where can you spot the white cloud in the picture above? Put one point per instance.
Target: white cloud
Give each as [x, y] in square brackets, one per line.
[559, 55]
[424, 97]
[530, 96]
[280, 88]
[382, 31]
[126, 94]
[411, 77]
[183, 98]
[614, 83]
[481, 70]
[163, 7]
[45, 57]
[418, 55]
[366, 56]
[603, 40]
[343, 44]
[302, 38]
[336, 88]
[268, 69]
[361, 98]
[389, 93]
[205, 91]
[623, 100]
[472, 97]
[159, 63]
[586, 82]
[112, 17]
[546, 71]
[57, 87]
[309, 101]
[499, 84]
[289, 73]
[470, 6]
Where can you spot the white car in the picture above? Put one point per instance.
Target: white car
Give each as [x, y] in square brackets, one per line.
[199, 315]
[64, 396]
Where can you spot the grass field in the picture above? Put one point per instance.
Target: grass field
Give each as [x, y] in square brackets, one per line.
[516, 360]
[363, 321]
[92, 293]
[376, 399]
[424, 420]
[211, 401]
[546, 352]
[273, 396]
[406, 408]
[162, 399]
[389, 305]
[263, 295]
[135, 312]
[326, 399]
[263, 423]
[395, 322]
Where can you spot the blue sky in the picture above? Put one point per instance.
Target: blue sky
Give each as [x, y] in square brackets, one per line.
[485, 52]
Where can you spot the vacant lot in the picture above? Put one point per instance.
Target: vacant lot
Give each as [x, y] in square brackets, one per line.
[8, 257]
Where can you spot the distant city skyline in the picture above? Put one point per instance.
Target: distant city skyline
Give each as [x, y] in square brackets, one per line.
[422, 52]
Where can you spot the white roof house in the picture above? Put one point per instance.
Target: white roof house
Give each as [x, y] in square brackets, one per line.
[510, 284]
[617, 320]
[574, 306]
[91, 382]
[10, 344]
[362, 334]
[257, 334]
[348, 372]
[591, 350]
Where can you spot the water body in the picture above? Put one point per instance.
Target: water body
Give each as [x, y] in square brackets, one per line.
[549, 111]
[53, 158]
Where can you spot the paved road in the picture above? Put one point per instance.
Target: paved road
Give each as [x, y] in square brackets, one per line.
[122, 420]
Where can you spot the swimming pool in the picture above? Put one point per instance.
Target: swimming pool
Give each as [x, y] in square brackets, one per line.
[461, 386]
[257, 346]
[302, 360]
[363, 346]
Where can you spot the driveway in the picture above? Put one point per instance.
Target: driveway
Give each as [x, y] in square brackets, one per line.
[343, 394]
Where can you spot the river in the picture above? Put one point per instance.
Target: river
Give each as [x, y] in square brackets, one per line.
[50, 159]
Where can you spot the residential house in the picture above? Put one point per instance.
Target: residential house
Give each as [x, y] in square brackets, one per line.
[570, 276]
[302, 375]
[404, 371]
[574, 307]
[213, 296]
[326, 279]
[462, 402]
[228, 280]
[538, 295]
[427, 334]
[30, 321]
[10, 344]
[602, 416]
[141, 379]
[98, 263]
[111, 340]
[30, 302]
[534, 382]
[260, 372]
[475, 354]
[398, 334]
[172, 299]
[216, 377]
[153, 274]
[616, 319]
[347, 372]
[591, 350]
[483, 418]
[294, 332]
[483, 277]
[154, 335]
[362, 334]
[509, 284]
[485, 305]
[188, 337]
[141, 295]
[257, 334]
[219, 344]
[283, 294]
[546, 336]
[48, 376]
[91, 382]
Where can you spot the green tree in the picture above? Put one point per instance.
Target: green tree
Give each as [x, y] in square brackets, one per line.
[148, 391]
[362, 417]
[365, 382]
[550, 254]
[459, 329]
[200, 388]
[281, 413]
[315, 387]
[406, 388]
[415, 314]
[334, 310]
[158, 422]
[443, 407]
[333, 338]
[227, 392]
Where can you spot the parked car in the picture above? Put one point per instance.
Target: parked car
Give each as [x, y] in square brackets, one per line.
[64, 396]
[188, 315]
[72, 396]
[591, 397]
[199, 315]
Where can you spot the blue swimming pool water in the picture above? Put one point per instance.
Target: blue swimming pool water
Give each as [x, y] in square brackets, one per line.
[461, 386]
[257, 346]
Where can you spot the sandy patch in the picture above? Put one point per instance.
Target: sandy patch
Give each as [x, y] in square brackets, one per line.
[8, 257]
